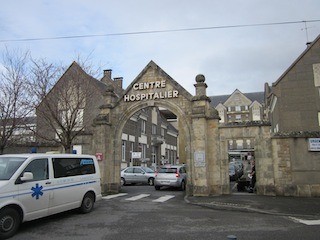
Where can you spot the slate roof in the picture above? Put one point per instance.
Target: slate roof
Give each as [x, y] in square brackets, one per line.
[254, 96]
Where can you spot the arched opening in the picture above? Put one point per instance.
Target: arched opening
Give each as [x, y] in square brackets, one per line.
[156, 154]
[197, 123]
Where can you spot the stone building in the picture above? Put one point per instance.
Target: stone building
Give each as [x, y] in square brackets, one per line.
[293, 107]
[237, 111]
[73, 105]
[294, 99]
[239, 107]
[147, 132]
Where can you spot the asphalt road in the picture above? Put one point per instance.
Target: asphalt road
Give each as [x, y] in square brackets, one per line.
[141, 213]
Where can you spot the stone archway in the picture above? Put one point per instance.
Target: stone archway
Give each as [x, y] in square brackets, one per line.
[198, 129]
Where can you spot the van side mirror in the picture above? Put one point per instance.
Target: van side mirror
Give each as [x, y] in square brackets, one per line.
[27, 176]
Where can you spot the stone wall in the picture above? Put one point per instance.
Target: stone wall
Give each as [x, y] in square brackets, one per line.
[260, 136]
[296, 170]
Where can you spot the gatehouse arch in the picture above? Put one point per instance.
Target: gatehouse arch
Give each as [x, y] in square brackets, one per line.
[197, 124]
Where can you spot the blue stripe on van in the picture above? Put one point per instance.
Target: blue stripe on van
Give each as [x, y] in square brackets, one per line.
[48, 189]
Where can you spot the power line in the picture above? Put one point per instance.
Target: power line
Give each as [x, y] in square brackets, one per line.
[156, 31]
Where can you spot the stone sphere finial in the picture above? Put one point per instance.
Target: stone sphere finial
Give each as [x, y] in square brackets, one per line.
[200, 78]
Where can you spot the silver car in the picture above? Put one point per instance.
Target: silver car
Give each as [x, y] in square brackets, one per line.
[171, 176]
[132, 175]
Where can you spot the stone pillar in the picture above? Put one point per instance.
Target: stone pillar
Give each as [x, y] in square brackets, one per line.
[104, 142]
[205, 130]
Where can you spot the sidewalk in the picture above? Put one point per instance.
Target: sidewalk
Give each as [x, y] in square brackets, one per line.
[285, 206]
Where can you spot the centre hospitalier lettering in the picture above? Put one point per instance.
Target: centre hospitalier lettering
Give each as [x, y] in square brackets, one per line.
[144, 86]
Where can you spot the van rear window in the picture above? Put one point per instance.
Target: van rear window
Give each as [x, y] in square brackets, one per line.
[66, 167]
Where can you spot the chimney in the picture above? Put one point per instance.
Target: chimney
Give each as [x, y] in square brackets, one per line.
[118, 81]
[107, 73]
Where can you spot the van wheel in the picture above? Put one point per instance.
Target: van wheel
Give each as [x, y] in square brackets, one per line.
[87, 203]
[157, 187]
[151, 181]
[9, 222]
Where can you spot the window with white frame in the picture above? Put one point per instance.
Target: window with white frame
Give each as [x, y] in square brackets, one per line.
[221, 115]
[248, 143]
[239, 144]
[154, 154]
[162, 132]
[230, 144]
[238, 109]
[154, 129]
[123, 150]
[256, 113]
[144, 151]
[143, 126]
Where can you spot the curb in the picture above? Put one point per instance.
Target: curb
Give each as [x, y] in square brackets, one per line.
[242, 208]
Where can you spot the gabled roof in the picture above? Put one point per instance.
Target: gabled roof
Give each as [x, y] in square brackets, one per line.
[310, 46]
[254, 96]
[161, 72]
[75, 67]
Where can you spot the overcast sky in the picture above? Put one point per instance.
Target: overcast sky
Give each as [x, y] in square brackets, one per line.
[231, 57]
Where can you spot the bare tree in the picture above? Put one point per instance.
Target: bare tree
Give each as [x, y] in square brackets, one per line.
[42, 77]
[61, 113]
[14, 99]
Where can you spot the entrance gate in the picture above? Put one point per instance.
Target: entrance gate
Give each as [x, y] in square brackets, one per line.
[197, 124]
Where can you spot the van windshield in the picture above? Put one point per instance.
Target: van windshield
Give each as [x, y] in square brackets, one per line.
[9, 165]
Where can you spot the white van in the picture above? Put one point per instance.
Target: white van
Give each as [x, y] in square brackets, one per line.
[38, 185]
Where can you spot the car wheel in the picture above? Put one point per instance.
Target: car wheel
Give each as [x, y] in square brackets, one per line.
[122, 182]
[9, 222]
[157, 187]
[151, 181]
[87, 203]
[183, 186]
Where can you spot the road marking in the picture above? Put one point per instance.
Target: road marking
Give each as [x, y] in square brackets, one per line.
[163, 198]
[306, 222]
[137, 197]
[114, 196]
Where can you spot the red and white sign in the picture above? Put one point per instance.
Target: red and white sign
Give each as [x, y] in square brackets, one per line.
[99, 156]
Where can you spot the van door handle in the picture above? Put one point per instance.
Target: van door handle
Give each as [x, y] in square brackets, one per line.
[48, 182]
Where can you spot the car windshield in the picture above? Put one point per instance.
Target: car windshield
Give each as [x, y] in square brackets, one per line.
[147, 170]
[167, 170]
[9, 165]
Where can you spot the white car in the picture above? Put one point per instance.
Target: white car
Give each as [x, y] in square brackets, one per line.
[133, 175]
[171, 176]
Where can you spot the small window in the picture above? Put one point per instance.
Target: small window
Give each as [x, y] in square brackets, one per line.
[162, 132]
[143, 126]
[154, 129]
[123, 150]
[65, 167]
